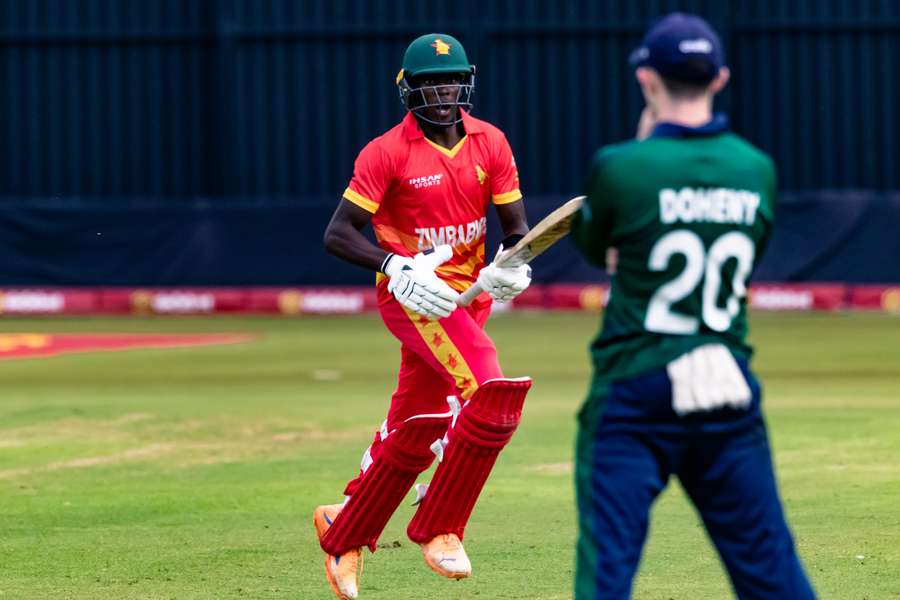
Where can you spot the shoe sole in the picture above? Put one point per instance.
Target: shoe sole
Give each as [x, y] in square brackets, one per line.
[333, 583]
[444, 572]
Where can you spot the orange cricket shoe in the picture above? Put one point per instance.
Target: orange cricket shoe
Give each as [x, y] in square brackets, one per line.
[447, 557]
[342, 571]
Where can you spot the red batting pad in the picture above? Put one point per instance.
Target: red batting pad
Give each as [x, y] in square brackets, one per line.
[404, 454]
[485, 425]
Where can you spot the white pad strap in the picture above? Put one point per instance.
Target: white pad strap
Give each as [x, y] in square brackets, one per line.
[707, 378]
[454, 409]
[366, 460]
[438, 447]
[367, 455]
[421, 490]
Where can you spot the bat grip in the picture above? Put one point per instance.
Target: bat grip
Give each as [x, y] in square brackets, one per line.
[468, 296]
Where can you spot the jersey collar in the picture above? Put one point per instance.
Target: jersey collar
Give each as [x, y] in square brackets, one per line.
[718, 124]
[413, 132]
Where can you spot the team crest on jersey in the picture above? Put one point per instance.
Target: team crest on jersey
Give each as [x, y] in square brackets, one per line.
[440, 47]
[426, 181]
[480, 174]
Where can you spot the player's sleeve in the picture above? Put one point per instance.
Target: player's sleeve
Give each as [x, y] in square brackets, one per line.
[504, 176]
[372, 175]
[592, 225]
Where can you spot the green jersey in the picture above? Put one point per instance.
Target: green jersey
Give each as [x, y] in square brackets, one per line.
[689, 211]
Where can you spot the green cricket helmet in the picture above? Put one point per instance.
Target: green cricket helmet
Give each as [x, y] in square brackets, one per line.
[431, 54]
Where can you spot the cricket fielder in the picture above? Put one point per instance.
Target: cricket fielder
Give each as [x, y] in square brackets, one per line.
[425, 186]
[689, 209]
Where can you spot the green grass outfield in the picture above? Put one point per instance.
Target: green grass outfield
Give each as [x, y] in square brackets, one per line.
[192, 473]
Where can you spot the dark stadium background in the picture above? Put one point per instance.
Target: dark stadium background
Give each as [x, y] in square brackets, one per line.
[206, 142]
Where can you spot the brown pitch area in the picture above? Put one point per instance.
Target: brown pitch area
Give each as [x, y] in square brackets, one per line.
[39, 345]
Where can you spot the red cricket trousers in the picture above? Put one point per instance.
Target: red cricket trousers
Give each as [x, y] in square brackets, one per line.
[450, 356]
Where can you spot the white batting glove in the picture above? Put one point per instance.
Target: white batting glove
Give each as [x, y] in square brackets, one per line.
[415, 286]
[504, 283]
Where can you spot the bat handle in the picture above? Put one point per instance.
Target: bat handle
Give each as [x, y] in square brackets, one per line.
[468, 296]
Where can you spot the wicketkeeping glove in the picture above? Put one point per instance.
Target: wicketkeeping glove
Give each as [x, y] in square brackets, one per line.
[504, 283]
[414, 284]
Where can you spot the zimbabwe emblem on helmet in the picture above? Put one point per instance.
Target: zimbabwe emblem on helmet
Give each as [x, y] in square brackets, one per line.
[440, 47]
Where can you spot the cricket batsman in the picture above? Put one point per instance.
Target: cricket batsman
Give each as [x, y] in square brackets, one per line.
[689, 209]
[425, 186]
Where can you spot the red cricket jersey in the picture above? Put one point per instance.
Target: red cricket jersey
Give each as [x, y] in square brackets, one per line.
[422, 195]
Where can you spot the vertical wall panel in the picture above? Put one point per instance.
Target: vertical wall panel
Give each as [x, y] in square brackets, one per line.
[241, 98]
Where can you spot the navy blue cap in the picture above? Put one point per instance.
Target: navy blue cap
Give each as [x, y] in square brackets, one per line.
[683, 47]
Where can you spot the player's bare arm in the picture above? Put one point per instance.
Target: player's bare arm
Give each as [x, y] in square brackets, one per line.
[504, 283]
[412, 280]
[344, 238]
[513, 221]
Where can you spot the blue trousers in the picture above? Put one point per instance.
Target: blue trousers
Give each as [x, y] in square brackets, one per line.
[631, 441]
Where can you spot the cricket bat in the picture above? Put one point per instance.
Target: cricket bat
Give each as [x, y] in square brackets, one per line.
[552, 228]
